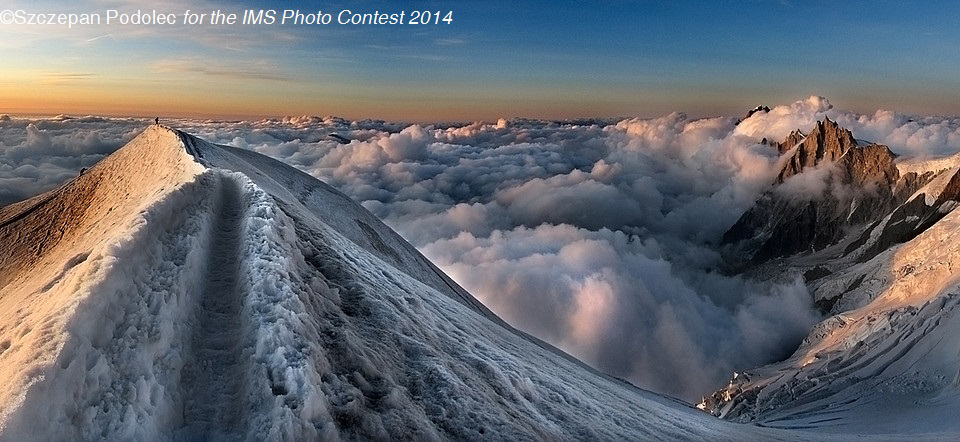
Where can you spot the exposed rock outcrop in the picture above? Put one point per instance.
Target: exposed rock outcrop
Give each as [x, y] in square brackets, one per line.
[861, 184]
[760, 108]
[826, 142]
[796, 137]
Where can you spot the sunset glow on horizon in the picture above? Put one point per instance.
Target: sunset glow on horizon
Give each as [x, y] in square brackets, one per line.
[495, 59]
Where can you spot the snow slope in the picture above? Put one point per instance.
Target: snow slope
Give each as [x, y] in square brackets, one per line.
[183, 290]
[889, 366]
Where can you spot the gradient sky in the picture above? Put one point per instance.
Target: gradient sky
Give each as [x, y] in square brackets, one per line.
[552, 59]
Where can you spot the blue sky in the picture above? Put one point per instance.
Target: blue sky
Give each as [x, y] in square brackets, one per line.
[537, 59]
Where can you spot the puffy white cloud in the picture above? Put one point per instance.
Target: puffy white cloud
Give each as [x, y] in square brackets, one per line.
[600, 295]
[781, 120]
[38, 155]
[810, 185]
[905, 134]
[597, 236]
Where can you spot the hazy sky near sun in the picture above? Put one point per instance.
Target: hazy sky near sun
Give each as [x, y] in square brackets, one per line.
[552, 59]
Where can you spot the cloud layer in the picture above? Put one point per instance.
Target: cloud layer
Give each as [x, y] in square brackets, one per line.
[38, 155]
[597, 236]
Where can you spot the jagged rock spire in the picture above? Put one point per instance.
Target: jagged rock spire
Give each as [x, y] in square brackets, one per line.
[827, 141]
[782, 225]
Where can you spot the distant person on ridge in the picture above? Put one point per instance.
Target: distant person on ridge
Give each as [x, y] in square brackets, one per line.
[157, 120]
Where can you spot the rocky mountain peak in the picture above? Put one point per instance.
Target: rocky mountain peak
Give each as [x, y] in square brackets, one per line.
[796, 137]
[759, 108]
[827, 141]
[864, 182]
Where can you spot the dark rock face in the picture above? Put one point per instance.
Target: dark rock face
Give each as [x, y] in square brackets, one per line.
[907, 221]
[904, 224]
[777, 227]
[864, 185]
[750, 113]
[816, 273]
[951, 192]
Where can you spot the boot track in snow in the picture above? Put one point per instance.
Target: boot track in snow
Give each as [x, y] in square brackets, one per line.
[214, 374]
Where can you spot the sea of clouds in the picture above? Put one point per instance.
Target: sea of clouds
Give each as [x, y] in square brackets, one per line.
[597, 236]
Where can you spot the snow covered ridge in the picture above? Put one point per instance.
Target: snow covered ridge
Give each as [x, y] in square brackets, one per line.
[184, 290]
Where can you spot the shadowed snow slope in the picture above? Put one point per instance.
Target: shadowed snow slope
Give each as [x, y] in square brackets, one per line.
[184, 290]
